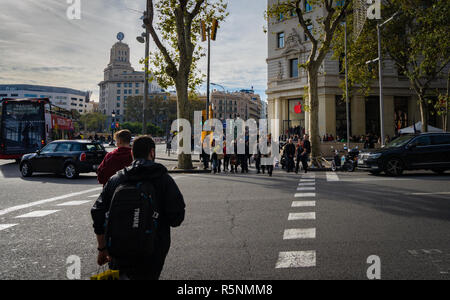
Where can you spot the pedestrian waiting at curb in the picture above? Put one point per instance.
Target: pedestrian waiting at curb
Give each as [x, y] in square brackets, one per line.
[134, 213]
[116, 160]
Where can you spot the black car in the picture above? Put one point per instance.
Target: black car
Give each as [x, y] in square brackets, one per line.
[427, 151]
[64, 157]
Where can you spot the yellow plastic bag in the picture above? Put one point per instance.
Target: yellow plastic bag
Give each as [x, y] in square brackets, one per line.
[106, 275]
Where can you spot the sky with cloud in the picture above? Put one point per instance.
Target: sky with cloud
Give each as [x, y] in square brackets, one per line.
[39, 44]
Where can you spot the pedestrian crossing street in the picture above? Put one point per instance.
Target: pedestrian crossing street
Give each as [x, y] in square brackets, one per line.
[305, 199]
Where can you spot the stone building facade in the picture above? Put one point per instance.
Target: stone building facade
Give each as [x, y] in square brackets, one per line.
[286, 88]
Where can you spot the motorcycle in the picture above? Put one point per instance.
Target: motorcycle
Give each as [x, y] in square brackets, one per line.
[347, 162]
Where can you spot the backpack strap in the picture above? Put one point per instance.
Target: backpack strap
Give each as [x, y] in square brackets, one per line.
[153, 202]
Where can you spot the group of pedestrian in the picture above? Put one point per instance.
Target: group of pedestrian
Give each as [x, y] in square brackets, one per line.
[235, 161]
[133, 215]
[296, 153]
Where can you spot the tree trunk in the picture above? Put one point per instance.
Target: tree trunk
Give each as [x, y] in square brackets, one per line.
[184, 160]
[314, 112]
[423, 113]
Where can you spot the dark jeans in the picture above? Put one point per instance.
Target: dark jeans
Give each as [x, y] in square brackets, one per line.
[290, 164]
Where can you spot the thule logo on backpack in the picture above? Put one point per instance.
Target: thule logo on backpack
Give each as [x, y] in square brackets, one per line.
[136, 218]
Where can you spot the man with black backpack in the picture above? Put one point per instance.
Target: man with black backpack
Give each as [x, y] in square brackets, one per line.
[134, 213]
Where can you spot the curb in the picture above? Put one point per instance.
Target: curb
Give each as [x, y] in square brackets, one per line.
[173, 159]
[192, 171]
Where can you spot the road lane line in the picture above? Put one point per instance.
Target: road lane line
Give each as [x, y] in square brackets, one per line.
[309, 176]
[302, 216]
[305, 195]
[6, 226]
[19, 207]
[306, 183]
[332, 177]
[73, 203]
[297, 234]
[296, 259]
[94, 196]
[311, 188]
[303, 203]
[307, 180]
[37, 214]
[425, 194]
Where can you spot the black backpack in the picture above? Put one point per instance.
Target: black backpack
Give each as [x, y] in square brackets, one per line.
[132, 222]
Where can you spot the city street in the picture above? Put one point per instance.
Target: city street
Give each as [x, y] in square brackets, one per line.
[321, 225]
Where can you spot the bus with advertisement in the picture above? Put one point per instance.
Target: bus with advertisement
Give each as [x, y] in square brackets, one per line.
[27, 125]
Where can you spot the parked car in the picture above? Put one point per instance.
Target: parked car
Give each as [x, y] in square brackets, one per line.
[427, 151]
[64, 157]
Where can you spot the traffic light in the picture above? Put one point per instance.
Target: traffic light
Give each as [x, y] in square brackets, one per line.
[203, 31]
[215, 25]
[117, 125]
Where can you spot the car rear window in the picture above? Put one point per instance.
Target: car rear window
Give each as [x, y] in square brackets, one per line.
[93, 147]
[75, 148]
[440, 139]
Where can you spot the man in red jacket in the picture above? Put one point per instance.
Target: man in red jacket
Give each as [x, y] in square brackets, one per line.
[118, 159]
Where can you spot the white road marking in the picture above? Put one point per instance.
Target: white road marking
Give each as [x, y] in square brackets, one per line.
[312, 188]
[307, 180]
[94, 196]
[38, 213]
[305, 195]
[296, 259]
[331, 176]
[295, 234]
[73, 203]
[425, 194]
[19, 207]
[306, 183]
[309, 176]
[6, 226]
[302, 216]
[303, 203]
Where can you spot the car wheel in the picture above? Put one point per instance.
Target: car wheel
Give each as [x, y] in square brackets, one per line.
[70, 171]
[25, 169]
[333, 166]
[394, 167]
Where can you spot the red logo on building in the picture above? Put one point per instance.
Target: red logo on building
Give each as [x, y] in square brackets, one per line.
[298, 108]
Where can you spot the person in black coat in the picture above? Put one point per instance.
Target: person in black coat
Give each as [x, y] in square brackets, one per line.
[306, 146]
[289, 151]
[170, 202]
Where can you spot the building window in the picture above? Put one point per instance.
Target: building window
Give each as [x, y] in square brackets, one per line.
[308, 7]
[294, 68]
[125, 92]
[137, 84]
[280, 40]
[119, 85]
[118, 92]
[118, 98]
[137, 91]
[118, 105]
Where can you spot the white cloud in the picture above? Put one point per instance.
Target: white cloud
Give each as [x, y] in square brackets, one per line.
[40, 45]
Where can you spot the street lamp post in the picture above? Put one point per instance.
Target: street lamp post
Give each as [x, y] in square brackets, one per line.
[145, 38]
[380, 70]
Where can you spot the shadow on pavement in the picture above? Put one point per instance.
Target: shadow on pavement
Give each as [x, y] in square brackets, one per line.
[400, 202]
[10, 170]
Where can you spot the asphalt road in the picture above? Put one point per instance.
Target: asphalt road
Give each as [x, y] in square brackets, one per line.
[244, 226]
